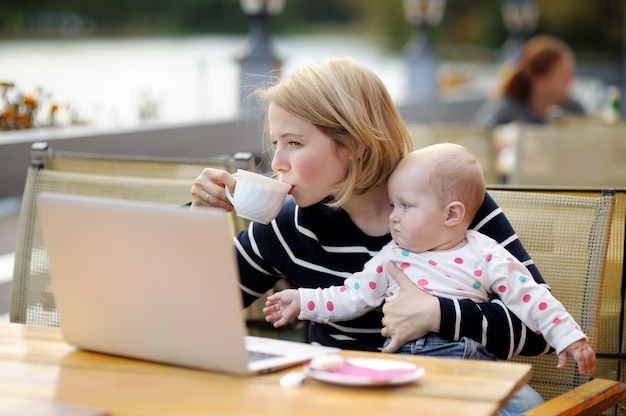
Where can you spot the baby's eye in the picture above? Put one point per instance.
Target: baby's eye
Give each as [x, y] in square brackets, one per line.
[406, 206]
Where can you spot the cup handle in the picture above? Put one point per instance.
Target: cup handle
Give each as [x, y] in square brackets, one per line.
[230, 197]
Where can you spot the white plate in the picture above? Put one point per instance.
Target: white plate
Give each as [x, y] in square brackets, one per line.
[369, 372]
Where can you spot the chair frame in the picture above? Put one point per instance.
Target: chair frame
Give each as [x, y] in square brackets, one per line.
[598, 394]
[144, 178]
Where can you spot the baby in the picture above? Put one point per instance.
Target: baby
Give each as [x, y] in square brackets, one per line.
[434, 193]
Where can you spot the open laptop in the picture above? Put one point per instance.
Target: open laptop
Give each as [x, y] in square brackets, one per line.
[154, 282]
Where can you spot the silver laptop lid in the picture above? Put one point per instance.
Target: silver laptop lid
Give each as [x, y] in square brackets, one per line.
[145, 280]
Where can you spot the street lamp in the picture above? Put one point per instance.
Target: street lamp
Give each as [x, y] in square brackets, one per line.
[420, 56]
[258, 59]
[520, 18]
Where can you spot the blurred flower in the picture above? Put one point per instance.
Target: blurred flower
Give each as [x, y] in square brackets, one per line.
[28, 100]
[19, 111]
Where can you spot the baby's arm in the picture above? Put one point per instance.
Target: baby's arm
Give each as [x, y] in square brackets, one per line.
[282, 306]
[582, 352]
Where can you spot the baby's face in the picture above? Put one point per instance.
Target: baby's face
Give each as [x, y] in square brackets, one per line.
[417, 219]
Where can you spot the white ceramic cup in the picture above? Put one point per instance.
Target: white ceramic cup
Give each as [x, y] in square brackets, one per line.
[257, 197]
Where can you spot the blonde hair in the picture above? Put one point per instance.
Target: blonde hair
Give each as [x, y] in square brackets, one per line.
[455, 175]
[350, 104]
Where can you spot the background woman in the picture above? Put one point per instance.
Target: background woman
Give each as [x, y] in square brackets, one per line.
[535, 85]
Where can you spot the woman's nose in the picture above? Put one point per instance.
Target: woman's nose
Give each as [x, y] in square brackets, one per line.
[279, 161]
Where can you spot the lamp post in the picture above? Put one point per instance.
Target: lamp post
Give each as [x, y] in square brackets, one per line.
[420, 56]
[258, 59]
[520, 18]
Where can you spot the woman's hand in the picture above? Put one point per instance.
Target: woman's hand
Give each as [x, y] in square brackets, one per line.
[208, 189]
[410, 315]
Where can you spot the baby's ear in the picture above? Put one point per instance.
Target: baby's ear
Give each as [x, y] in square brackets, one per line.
[455, 213]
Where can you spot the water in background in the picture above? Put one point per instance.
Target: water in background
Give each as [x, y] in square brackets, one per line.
[108, 82]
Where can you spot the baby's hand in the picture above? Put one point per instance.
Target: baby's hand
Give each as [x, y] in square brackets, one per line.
[282, 306]
[582, 352]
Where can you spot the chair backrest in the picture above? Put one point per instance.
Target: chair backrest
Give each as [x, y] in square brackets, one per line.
[587, 154]
[158, 180]
[567, 237]
[475, 138]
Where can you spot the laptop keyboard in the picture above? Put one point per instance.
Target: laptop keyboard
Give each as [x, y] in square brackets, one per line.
[258, 355]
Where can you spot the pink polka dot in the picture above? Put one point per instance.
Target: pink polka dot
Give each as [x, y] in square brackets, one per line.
[576, 327]
[478, 273]
[330, 306]
[390, 293]
[538, 332]
[488, 258]
[543, 306]
[509, 259]
[502, 289]
[458, 260]
[432, 262]
[343, 289]
[404, 265]
[422, 282]
[372, 285]
[556, 320]
[526, 298]
[311, 305]
[379, 269]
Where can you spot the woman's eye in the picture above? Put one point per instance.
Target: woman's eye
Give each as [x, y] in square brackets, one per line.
[294, 143]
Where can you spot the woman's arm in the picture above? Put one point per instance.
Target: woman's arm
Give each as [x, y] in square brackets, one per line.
[489, 323]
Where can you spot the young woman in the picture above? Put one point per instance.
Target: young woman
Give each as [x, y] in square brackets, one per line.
[533, 86]
[337, 136]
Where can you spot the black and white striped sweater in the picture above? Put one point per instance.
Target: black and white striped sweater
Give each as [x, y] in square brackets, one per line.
[320, 246]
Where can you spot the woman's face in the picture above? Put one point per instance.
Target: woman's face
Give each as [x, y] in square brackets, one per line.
[305, 157]
[556, 83]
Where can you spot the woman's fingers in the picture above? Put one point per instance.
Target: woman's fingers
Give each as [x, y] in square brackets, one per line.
[208, 189]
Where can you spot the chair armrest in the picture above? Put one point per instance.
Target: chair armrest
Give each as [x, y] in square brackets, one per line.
[590, 398]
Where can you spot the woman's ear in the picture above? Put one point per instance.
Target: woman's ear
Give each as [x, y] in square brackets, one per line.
[360, 150]
[455, 213]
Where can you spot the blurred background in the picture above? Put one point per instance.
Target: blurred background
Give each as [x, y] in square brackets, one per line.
[117, 62]
[172, 78]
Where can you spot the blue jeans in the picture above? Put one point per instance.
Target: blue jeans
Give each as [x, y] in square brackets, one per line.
[432, 345]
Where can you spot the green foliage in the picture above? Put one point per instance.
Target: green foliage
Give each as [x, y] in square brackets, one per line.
[596, 25]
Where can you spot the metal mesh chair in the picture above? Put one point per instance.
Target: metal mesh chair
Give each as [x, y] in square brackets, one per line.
[567, 236]
[611, 338]
[148, 179]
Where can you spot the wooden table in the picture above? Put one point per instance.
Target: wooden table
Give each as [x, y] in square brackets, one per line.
[39, 370]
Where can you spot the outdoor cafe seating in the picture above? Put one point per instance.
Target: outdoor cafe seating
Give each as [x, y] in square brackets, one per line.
[575, 235]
